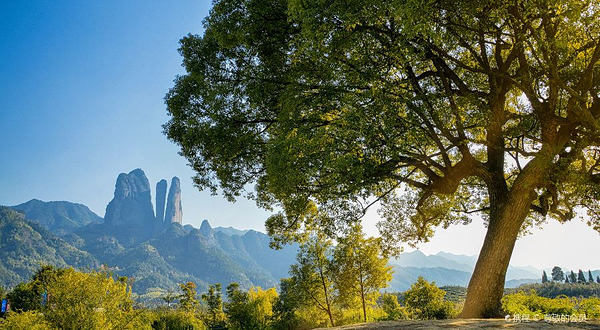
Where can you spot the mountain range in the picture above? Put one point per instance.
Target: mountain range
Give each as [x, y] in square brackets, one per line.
[450, 269]
[134, 240]
[153, 247]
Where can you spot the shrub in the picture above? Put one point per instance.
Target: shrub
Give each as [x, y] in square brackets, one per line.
[31, 320]
[392, 308]
[425, 301]
[177, 320]
[533, 305]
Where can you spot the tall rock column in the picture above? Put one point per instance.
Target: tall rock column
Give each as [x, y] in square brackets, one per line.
[161, 196]
[132, 203]
[174, 212]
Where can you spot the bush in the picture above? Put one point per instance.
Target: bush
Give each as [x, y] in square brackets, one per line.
[392, 308]
[177, 320]
[31, 320]
[92, 300]
[531, 304]
[425, 301]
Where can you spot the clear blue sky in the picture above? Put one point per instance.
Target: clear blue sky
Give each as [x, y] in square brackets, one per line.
[81, 100]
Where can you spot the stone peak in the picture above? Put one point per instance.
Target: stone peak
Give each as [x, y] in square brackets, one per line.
[205, 227]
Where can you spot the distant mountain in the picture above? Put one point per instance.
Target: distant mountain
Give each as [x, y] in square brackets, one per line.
[58, 216]
[404, 277]
[25, 245]
[153, 249]
[418, 259]
[517, 283]
[230, 231]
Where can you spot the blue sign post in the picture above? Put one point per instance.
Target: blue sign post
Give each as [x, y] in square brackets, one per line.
[4, 306]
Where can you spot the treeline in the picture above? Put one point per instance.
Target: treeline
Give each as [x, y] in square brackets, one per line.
[556, 289]
[57, 298]
[559, 276]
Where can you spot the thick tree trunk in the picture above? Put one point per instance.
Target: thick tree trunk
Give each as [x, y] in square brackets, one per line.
[487, 282]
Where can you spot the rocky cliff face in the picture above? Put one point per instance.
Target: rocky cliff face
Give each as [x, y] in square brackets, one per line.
[132, 203]
[174, 212]
[161, 196]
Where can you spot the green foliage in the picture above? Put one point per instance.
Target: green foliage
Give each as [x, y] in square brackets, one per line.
[360, 270]
[188, 301]
[313, 276]
[544, 277]
[425, 301]
[435, 109]
[581, 277]
[555, 289]
[531, 304]
[454, 293]
[557, 274]
[239, 311]
[285, 307]
[572, 277]
[92, 300]
[27, 296]
[392, 308]
[30, 320]
[216, 317]
[177, 320]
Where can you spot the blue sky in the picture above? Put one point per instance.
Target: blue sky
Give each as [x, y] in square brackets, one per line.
[81, 100]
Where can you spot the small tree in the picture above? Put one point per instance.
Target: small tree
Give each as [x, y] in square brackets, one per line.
[581, 277]
[573, 277]
[567, 279]
[544, 277]
[392, 308]
[188, 301]
[214, 302]
[312, 275]
[361, 270]
[285, 306]
[590, 276]
[598, 279]
[240, 313]
[425, 300]
[557, 274]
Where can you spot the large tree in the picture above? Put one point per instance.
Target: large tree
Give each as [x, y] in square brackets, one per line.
[438, 110]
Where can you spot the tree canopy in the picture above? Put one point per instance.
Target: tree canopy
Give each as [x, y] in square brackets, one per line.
[436, 109]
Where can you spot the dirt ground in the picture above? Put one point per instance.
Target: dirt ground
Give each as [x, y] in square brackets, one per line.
[469, 324]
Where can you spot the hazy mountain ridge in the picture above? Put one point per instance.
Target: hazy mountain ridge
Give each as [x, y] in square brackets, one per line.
[450, 269]
[155, 255]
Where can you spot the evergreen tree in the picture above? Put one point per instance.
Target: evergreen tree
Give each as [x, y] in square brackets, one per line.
[544, 277]
[573, 277]
[567, 279]
[580, 277]
[214, 302]
[598, 279]
[590, 276]
[557, 274]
